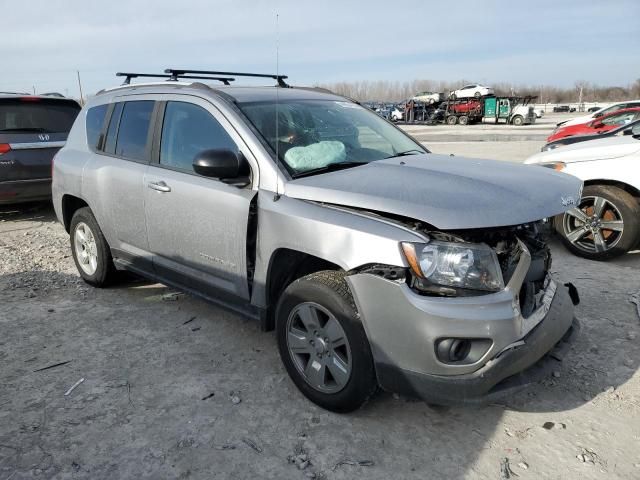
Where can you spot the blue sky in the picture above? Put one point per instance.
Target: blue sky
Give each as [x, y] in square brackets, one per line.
[534, 42]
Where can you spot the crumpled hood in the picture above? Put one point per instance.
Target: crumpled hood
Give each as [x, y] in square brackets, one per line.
[447, 192]
[598, 149]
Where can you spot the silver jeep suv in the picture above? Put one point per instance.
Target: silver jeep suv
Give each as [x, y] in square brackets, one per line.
[378, 263]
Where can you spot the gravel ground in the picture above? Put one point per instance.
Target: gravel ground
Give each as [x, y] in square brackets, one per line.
[177, 388]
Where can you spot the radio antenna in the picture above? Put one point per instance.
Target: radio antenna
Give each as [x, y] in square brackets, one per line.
[277, 195]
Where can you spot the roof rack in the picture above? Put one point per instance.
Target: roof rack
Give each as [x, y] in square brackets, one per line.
[178, 73]
[128, 76]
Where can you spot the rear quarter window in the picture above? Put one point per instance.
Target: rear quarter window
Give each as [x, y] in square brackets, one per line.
[95, 123]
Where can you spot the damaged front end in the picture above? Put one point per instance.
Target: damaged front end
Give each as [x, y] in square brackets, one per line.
[472, 309]
[462, 274]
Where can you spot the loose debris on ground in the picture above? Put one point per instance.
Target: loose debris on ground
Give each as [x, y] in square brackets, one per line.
[148, 378]
[73, 387]
[254, 446]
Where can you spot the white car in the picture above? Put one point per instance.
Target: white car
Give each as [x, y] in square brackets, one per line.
[473, 90]
[428, 97]
[396, 114]
[598, 113]
[605, 222]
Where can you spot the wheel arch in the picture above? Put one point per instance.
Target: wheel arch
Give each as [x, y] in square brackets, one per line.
[285, 266]
[633, 191]
[71, 204]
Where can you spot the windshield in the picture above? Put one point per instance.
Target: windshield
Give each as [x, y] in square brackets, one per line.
[312, 135]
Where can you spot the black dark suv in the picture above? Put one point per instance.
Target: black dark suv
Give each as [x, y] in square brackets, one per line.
[32, 130]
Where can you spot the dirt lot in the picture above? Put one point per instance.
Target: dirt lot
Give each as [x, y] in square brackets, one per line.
[177, 388]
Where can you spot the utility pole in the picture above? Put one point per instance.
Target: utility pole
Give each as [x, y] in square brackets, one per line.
[80, 87]
[34, 89]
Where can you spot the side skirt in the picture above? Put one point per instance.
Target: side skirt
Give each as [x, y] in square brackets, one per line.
[235, 305]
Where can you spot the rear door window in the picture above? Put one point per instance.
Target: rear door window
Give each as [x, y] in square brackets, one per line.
[37, 115]
[133, 132]
[95, 122]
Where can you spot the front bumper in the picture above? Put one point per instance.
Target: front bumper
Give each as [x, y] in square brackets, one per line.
[18, 191]
[403, 328]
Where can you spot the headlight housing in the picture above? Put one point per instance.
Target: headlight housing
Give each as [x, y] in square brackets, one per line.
[453, 265]
[549, 147]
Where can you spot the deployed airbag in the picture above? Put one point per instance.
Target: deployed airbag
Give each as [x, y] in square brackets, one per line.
[316, 155]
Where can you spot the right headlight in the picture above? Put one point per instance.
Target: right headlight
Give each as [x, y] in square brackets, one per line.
[472, 266]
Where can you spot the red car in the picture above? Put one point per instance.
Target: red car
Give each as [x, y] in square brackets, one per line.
[599, 125]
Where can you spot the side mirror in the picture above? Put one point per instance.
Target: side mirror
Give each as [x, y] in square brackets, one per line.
[223, 164]
[597, 124]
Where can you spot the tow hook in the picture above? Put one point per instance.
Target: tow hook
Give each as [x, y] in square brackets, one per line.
[573, 293]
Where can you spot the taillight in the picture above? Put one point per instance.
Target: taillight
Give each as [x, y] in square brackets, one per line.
[4, 148]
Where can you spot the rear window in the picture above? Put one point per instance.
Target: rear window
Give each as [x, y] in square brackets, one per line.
[37, 115]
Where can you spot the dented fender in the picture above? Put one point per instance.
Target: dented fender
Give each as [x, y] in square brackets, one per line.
[342, 237]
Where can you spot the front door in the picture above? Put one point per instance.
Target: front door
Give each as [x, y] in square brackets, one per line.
[197, 226]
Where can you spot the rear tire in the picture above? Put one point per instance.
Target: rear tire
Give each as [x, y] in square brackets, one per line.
[452, 120]
[463, 120]
[620, 210]
[90, 250]
[477, 94]
[323, 344]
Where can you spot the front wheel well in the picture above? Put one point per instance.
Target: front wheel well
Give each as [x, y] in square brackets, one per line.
[634, 192]
[285, 267]
[70, 204]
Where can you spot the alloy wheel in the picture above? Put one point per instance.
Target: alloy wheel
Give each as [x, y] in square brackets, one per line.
[595, 226]
[86, 248]
[319, 348]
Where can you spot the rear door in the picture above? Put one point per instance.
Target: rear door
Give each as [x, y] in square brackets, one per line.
[197, 226]
[113, 179]
[32, 130]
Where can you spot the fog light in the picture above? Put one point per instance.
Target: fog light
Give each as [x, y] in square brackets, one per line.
[461, 351]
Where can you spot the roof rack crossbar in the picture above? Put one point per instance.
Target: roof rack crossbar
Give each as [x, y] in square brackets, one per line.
[128, 76]
[175, 73]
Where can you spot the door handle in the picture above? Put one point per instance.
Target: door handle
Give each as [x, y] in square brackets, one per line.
[159, 186]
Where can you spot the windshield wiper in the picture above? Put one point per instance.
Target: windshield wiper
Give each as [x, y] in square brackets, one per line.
[415, 151]
[332, 167]
[26, 129]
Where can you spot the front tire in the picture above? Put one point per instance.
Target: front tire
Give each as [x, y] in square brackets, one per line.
[323, 344]
[606, 223]
[518, 120]
[90, 249]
